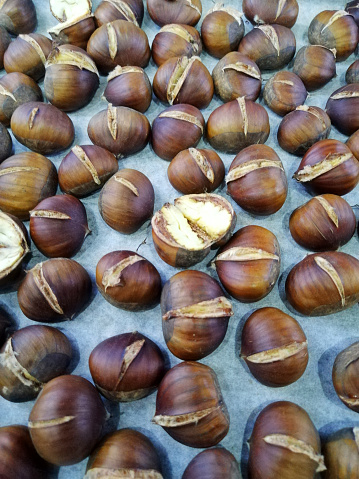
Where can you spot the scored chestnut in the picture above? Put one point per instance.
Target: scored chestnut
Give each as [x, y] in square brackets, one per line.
[341, 455]
[75, 31]
[283, 92]
[212, 464]
[5, 143]
[315, 66]
[352, 74]
[111, 10]
[343, 108]
[272, 11]
[345, 374]
[18, 16]
[164, 12]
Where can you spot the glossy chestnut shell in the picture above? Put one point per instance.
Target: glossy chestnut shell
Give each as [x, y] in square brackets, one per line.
[315, 65]
[284, 92]
[164, 12]
[343, 108]
[345, 376]
[272, 11]
[211, 464]
[340, 452]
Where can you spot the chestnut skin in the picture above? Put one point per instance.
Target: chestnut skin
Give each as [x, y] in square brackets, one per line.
[7, 325]
[212, 464]
[315, 66]
[353, 144]
[343, 108]
[352, 8]
[352, 74]
[283, 92]
[341, 456]
[109, 11]
[164, 12]
[75, 31]
[5, 143]
[272, 11]
[345, 376]
[18, 16]
[5, 41]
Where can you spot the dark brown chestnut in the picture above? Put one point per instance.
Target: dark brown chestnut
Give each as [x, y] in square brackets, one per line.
[164, 12]
[5, 143]
[5, 41]
[212, 464]
[345, 376]
[315, 65]
[283, 92]
[7, 325]
[340, 452]
[343, 108]
[190, 407]
[281, 12]
[75, 31]
[352, 74]
[18, 16]
[63, 10]
[353, 9]
[353, 144]
[111, 10]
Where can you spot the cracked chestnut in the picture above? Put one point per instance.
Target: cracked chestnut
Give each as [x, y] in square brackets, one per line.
[164, 12]
[273, 11]
[212, 464]
[111, 10]
[315, 66]
[75, 31]
[18, 16]
[284, 92]
[352, 74]
[341, 455]
[5, 143]
[343, 108]
[5, 41]
[63, 10]
[345, 376]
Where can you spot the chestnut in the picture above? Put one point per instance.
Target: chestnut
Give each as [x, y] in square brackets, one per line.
[18, 16]
[74, 410]
[283, 92]
[183, 233]
[175, 41]
[126, 201]
[248, 265]
[328, 167]
[237, 124]
[115, 129]
[323, 223]
[42, 127]
[175, 129]
[196, 171]
[270, 46]
[5, 143]
[119, 43]
[86, 169]
[25, 180]
[315, 66]
[353, 144]
[236, 75]
[27, 54]
[31, 357]
[7, 325]
[274, 347]
[334, 29]
[323, 283]
[54, 290]
[285, 444]
[127, 367]
[128, 281]
[345, 374]
[212, 464]
[353, 9]
[340, 452]
[5, 41]
[190, 406]
[272, 11]
[63, 10]
[303, 127]
[222, 29]
[184, 80]
[343, 108]
[164, 12]
[257, 181]
[111, 10]
[195, 315]
[129, 86]
[352, 74]
[75, 31]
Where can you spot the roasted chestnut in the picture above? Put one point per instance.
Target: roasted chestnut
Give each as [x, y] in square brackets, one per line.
[212, 464]
[75, 31]
[128, 281]
[352, 74]
[18, 16]
[353, 144]
[343, 108]
[345, 376]
[164, 12]
[5, 143]
[54, 290]
[353, 9]
[190, 407]
[272, 11]
[283, 92]
[315, 65]
[111, 10]
[74, 410]
[63, 10]
[340, 452]
[5, 41]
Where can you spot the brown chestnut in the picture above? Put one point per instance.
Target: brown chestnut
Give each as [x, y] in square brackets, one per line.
[281, 12]
[343, 108]
[212, 464]
[274, 347]
[126, 201]
[345, 376]
[323, 283]
[352, 74]
[190, 406]
[127, 367]
[257, 181]
[75, 31]
[315, 65]
[111, 10]
[7, 326]
[195, 314]
[248, 265]
[353, 144]
[283, 92]
[164, 12]
[128, 281]
[54, 290]
[5, 41]
[18, 16]
[63, 10]
[353, 9]
[5, 143]
[341, 455]
[237, 124]
[67, 420]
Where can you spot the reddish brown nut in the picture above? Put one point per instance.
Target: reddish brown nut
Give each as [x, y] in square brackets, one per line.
[248, 265]
[328, 167]
[175, 129]
[323, 223]
[42, 127]
[352, 74]
[111, 10]
[334, 29]
[340, 452]
[164, 12]
[345, 376]
[315, 65]
[303, 127]
[343, 108]
[281, 12]
[274, 347]
[190, 407]
[7, 326]
[284, 92]
[257, 181]
[18, 16]
[195, 315]
[184, 80]
[323, 283]
[184, 233]
[5, 143]
[212, 464]
[353, 9]
[270, 46]
[175, 41]
[54, 290]
[67, 419]
[75, 31]
[5, 41]
[126, 201]
[353, 144]
[285, 444]
[63, 10]
[237, 124]
[25, 180]
[129, 281]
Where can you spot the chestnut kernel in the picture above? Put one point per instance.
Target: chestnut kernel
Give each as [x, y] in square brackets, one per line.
[18, 16]
[343, 108]
[353, 9]
[111, 10]
[283, 92]
[340, 452]
[352, 74]
[5, 41]
[164, 12]
[315, 65]
[62, 10]
[75, 31]
[211, 464]
[345, 374]
[281, 12]
[5, 143]
[353, 144]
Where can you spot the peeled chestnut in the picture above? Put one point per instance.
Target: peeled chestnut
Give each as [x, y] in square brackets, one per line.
[66, 421]
[128, 281]
[5, 41]
[184, 233]
[345, 376]
[116, 128]
[175, 41]
[25, 180]
[212, 464]
[257, 181]
[237, 124]
[190, 407]
[63, 10]
[164, 12]
[353, 9]
[184, 80]
[353, 144]
[129, 86]
[303, 127]
[323, 223]
[270, 46]
[328, 167]
[54, 290]
[5, 143]
[334, 29]
[195, 314]
[315, 65]
[42, 127]
[126, 201]
[274, 347]
[343, 108]
[127, 367]
[323, 283]
[283, 92]
[110, 10]
[341, 455]
[248, 265]
[75, 31]
[352, 74]
[285, 444]
[18, 16]
[272, 11]
[222, 29]
[31, 357]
